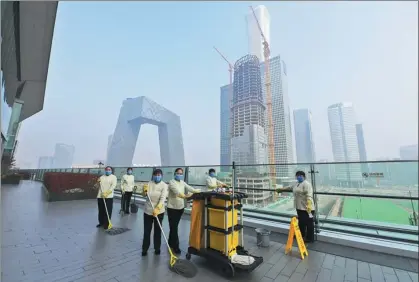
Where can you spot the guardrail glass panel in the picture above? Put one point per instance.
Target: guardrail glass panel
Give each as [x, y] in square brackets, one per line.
[260, 187]
[375, 178]
[197, 175]
[119, 172]
[142, 174]
[384, 218]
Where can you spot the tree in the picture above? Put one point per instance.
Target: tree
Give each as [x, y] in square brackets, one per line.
[7, 164]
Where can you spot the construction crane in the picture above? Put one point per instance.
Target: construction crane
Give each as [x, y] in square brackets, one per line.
[267, 54]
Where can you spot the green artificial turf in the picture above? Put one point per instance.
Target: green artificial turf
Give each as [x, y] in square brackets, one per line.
[382, 210]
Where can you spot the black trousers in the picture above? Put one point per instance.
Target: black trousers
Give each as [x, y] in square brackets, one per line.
[102, 217]
[174, 219]
[126, 199]
[149, 221]
[306, 225]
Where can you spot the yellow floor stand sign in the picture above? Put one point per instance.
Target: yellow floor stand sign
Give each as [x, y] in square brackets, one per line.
[295, 230]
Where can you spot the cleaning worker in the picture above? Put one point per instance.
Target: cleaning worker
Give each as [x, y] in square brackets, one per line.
[127, 185]
[107, 183]
[178, 191]
[213, 182]
[157, 191]
[303, 203]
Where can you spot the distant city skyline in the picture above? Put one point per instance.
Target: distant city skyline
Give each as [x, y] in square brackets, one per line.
[185, 76]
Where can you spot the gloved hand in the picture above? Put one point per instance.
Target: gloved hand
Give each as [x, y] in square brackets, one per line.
[197, 191]
[156, 210]
[145, 188]
[309, 206]
[106, 194]
[181, 195]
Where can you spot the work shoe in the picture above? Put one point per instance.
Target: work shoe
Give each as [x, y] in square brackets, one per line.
[157, 252]
[143, 254]
[177, 251]
[99, 225]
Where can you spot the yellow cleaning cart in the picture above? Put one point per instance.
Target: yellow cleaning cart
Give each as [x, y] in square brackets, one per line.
[216, 232]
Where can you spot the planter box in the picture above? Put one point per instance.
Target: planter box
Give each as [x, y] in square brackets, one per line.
[76, 194]
[67, 186]
[11, 179]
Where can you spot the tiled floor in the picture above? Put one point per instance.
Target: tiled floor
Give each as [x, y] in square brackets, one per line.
[59, 242]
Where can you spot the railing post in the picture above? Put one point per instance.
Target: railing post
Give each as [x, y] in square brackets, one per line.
[186, 174]
[233, 176]
[313, 173]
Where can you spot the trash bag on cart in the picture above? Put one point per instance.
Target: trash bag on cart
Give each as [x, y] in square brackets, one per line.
[196, 236]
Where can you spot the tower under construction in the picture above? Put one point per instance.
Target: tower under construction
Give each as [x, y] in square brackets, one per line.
[249, 140]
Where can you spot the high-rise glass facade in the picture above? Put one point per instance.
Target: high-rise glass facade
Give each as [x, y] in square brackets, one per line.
[6, 114]
[304, 142]
[361, 142]
[225, 126]
[345, 143]
[281, 115]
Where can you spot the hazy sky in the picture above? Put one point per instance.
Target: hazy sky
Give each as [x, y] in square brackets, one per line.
[103, 52]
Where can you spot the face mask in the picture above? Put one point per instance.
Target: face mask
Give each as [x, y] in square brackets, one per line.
[178, 177]
[157, 178]
[129, 172]
[108, 172]
[212, 174]
[300, 179]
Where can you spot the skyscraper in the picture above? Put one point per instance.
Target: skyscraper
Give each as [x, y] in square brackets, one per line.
[225, 126]
[361, 142]
[63, 156]
[249, 140]
[142, 110]
[281, 115]
[253, 32]
[109, 145]
[303, 136]
[45, 162]
[361, 147]
[345, 143]
[409, 152]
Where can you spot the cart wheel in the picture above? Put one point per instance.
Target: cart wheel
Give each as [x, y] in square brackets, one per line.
[228, 270]
[188, 256]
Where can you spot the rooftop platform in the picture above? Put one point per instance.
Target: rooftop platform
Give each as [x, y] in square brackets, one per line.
[58, 241]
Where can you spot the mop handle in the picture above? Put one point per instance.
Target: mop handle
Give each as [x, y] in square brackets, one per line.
[104, 202]
[158, 222]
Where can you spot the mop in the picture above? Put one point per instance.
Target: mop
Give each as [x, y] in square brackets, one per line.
[111, 230]
[180, 266]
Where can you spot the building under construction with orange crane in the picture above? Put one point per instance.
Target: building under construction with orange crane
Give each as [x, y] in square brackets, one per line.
[249, 140]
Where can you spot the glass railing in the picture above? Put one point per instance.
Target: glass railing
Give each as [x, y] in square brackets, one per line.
[378, 199]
